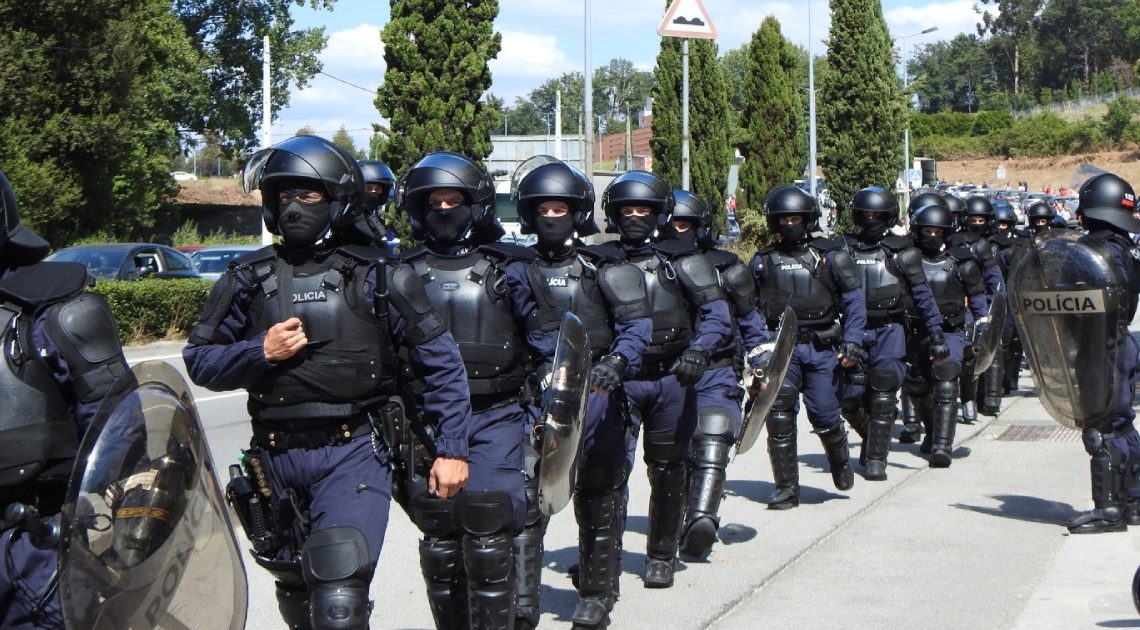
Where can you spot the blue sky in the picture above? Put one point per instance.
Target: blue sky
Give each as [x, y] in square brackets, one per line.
[544, 38]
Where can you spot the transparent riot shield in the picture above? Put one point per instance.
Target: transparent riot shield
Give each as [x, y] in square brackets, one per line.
[146, 541]
[765, 383]
[987, 340]
[563, 416]
[1070, 308]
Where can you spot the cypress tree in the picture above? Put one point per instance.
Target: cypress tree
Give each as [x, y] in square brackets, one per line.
[860, 105]
[436, 53]
[773, 118]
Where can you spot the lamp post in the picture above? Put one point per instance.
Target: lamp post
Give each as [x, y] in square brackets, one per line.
[906, 128]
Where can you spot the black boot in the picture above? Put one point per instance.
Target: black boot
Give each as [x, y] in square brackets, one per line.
[969, 412]
[924, 413]
[991, 389]
[1011, 371]
[441, 563]
[911, 429]
[490, 565]
[782, 453]
[706, 489]
[528, 561]
[856, 416]
[1104, 470]
[877, 444]
[945, 422]
[599, 533]
[667, 485]
[838, 456]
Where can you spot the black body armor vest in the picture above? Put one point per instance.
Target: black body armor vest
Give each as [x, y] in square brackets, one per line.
[349, 363]
[886, 290]
[470, 292]
[572, 286]
[673, 315]
[949, 290]
[787, 281]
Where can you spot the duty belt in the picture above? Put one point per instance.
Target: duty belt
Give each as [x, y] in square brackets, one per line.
[285, 435]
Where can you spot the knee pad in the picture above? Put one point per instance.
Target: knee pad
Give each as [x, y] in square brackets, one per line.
[434, 517]
[786, 396]
[336, 565]
[946, 391]
[596, 512]
[947, 370]
[714, 421]
[484, 512]
[850, 406]
[1093, 440]
[663, 448]
[917, 385]
[440, 558]
[293, 604]
[882, 379]
[711, 451]
[781, 424]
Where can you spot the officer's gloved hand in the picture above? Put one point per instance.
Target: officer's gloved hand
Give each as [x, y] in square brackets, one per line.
[543, 376]
[854, 353]
[939, 351]
[689, 367]
[760, 357]
[606, 375]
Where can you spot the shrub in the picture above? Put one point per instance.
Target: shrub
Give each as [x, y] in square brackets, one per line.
[154, 309]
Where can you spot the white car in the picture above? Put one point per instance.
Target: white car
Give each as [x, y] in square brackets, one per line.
[182, 176]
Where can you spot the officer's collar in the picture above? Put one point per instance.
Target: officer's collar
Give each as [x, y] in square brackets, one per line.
[556, 254]
[451, 250]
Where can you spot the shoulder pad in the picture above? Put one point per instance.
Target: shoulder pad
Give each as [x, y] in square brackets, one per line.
[1002, 240]
[672, 248]
[84, 330]
[699, 278]
[606, 249]
[896, 243]
[412, 254]
[506, 251]
[364, 253]
[826, 244]
[597, 254]
[269, 252]
[961, 253]
[722, 259]
[740, 287]
[766, 250]
[406, 291]
[623, 286]
[43, 283]
[909, 262]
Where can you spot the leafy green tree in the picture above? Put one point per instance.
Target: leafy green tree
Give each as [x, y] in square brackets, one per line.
[620, 87]
[1013, 26]
[773, 119]
[436, 54]
[343, 140]
[951, 76]
[860, 107]
[544, 99]
[524, 119]
[1120, 112]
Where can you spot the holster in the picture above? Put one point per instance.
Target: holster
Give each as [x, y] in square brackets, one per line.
[252, 498]
[411, 444]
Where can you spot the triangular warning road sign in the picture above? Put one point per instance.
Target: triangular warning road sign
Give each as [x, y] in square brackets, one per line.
[687, 18]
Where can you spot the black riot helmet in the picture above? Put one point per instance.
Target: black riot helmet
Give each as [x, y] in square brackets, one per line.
[1039, 210]
[1004, 213]
[377, 172]
[19, 246]
[310, 158]
[957, 207]
[979, 206]
[874, 199]
[935, 215]
[445, 169]
[555, 180]
[637, 188]
[924, 198]
[1109, 199]
[693, 210]
[788, 200]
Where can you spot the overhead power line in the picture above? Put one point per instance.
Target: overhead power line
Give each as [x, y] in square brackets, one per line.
[349, 83]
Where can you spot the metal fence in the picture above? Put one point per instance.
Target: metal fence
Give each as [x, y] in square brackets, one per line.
[1080, 103]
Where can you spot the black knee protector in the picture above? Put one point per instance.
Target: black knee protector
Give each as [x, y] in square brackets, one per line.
[781, 424]
[711, 451]
[882, 380]
[663, 448]
[484, 512]
[337, 568]
[787, 395]
[850, 407]
[293, 604]
[596, 512]
[917, 384]
[435, 517]
[946, 392]
[946, 371]
[534, 515]
[714, 421]
[440, 558]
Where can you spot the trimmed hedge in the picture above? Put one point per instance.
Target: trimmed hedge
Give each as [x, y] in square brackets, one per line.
[154, 309]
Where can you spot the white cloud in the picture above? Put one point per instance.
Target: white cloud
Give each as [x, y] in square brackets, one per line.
[357, 49]
[529, 55]
[951, 18]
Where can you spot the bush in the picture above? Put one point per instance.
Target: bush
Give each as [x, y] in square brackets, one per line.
[188, 234]
[151, 309]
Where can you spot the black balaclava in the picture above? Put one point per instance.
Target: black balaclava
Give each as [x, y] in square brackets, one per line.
[977, 228]
[872, 230]
[792, 234]
[688, 237]
[448, 227]
[930, 245]
[373, 200]
[638, 229]
[554, 232]
[302, 225]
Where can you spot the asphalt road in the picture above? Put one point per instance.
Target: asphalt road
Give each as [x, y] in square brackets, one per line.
[977, 545]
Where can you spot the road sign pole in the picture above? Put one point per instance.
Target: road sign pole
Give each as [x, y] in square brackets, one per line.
[685, 114]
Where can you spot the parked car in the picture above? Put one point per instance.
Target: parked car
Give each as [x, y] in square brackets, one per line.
[732, 232]
[129, 261]
[212, 262]
[182, 176]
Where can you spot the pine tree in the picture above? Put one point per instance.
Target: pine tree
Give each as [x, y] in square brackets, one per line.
[860, 105]
[773, 119]
[436, 53]
[710, 150]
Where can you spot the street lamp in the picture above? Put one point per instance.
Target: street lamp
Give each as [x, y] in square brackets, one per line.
[906, 128]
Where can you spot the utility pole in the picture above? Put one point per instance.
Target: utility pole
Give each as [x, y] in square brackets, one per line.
[587, 98]
[266, 118]
[906, 127]
[811, 112]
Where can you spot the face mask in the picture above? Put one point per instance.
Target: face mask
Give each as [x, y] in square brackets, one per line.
[448, 226]
[792, 233]
[689, 237]
[372, 201]
[302, 225]
[553, 231]
[873, 230]
[637, 229]
[981, 228]
[930, 244]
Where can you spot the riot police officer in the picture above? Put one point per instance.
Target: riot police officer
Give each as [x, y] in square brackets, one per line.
[309, 328]
[1010, 242]
[890, 271]
[1039, 217]
[979, 223]
[690, 321]
[932, 381]
[718, 393]
[556, 203]
[480, 288]
[818, 279]
[1105, 207]
[369, 228]
[64, 340]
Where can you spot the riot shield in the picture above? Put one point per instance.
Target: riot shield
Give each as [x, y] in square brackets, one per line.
[766, 383]
[528, 165]
[563, 416]
[145, 540]
[987, 339]
[1070, 306]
